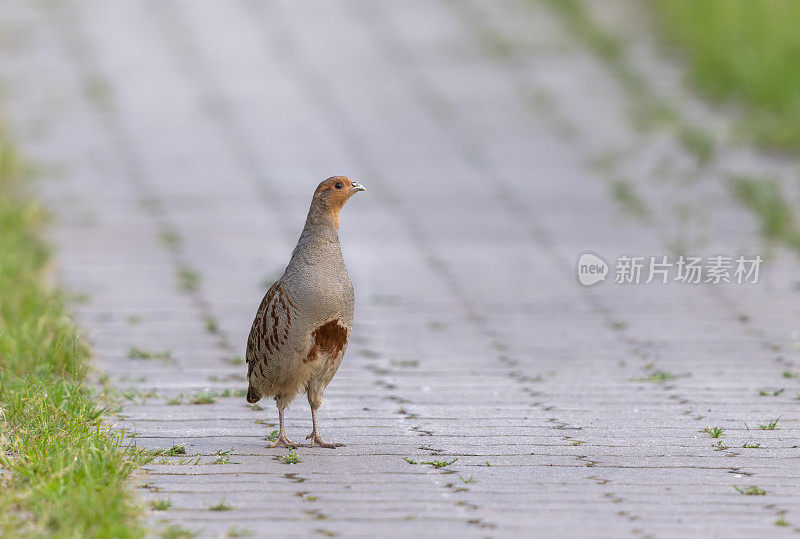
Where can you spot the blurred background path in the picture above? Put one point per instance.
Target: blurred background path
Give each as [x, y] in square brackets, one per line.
[179, 143]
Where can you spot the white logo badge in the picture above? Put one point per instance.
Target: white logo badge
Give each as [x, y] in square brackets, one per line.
[591, 269]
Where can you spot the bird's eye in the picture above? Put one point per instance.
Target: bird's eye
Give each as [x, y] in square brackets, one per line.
[339, 185]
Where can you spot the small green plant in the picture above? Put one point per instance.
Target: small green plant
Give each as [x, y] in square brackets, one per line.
[657, 376]
[790, 374]
[236, 531]
[469, 479]
[175, 450]
[719, 446]
[160, 505]
[188, 280]
[138, 353]
[228, 392]
[488, 464]
[236, 360]
[221, 506]
[770, 393]
[177, 532]
[781, 521]
[204, 397]
[439, 463]
[172, 401]
[410, 460]
[772, 425]
[625, 194]
[211, 324]
[697, 142]
[290, 458]
[170, 239]
[223, 457]
[137, 395]
[751, 490]
[748, 445]
[714, 432]
[272, 436]
[411, 363]
[183, 461]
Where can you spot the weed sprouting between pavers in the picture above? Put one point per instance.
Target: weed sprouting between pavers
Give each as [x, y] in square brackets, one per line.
[188, 280]
[236, 531]
[221, 506]
[714, 432]
[175, 531]
[236, 360]
[771, 425]
[139, 353]
[657, 376]
[204, 397]
[439, 463]
[175, 450]
[290, 458]
[751, 490]
[223, 457]
[161, 504]
[207, 396]
[435, 463]
[211, 325]
[625, 194]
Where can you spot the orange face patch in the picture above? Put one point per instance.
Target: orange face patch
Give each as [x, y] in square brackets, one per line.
[330, 185]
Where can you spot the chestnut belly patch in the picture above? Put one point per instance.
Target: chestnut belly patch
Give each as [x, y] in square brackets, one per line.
[327, 341]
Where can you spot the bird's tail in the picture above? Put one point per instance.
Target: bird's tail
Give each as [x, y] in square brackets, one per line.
[252, 394]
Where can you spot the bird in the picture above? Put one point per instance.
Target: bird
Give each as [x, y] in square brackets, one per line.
[301, 328]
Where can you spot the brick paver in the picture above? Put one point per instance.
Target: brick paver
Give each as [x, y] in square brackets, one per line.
[179, 143]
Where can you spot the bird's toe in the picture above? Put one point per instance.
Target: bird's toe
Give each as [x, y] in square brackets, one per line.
[316, 439]
[283, 441]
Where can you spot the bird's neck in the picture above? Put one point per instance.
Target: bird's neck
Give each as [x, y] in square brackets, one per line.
[322, 223]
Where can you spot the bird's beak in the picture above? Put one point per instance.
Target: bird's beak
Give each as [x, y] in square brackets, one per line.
[358, 187]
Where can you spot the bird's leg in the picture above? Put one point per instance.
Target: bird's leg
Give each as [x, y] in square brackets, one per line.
[315, 437]
[282, 440]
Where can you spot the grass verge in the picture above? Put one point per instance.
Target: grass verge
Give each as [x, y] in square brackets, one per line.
[744, 51]
[61, 473]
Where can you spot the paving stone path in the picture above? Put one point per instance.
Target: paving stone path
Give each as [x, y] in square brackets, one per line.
[179, 142]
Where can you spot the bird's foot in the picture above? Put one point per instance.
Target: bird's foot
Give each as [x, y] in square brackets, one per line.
[317, 439]
[284, 441]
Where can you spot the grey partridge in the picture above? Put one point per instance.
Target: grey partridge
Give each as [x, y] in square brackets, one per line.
[300, 332]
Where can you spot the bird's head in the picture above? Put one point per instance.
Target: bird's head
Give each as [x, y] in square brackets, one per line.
[332, 193]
